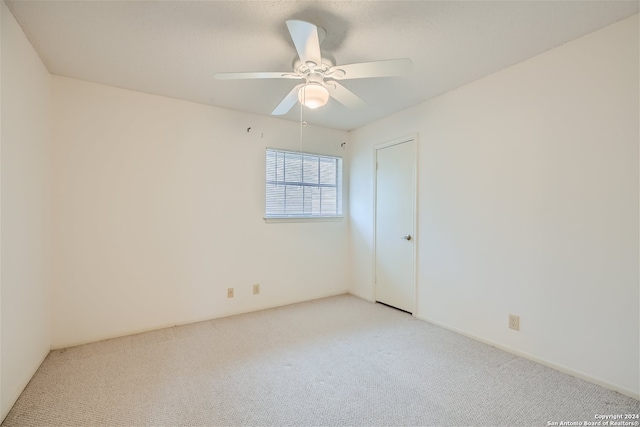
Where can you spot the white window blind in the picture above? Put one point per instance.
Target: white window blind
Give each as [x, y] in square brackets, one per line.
[303, 185]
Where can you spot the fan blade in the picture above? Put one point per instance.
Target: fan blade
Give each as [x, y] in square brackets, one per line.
[363, 70]
[305, 38]
[288, 102]
[344, 96]
[257, 75]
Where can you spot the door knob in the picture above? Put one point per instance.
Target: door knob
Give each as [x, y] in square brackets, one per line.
[407, 237]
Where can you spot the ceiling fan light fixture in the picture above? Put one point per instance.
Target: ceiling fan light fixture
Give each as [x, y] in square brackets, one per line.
[313, 95]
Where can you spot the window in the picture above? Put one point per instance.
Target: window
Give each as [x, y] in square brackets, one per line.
[303, 185]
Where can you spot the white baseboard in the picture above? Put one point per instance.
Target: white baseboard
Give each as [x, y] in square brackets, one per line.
[557, 367]
[364, 297]
[193, 320]
[18, 392]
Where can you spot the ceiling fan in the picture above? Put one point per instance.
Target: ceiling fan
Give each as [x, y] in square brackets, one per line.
[320, 75]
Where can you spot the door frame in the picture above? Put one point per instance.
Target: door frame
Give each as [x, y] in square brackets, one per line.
[397, 141]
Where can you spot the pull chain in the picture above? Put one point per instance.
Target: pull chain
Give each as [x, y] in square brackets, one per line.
[304, 99]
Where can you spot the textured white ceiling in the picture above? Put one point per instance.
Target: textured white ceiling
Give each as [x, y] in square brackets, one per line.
[173, 48]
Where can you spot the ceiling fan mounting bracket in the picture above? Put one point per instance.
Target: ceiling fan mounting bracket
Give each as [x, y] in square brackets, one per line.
[322, 34]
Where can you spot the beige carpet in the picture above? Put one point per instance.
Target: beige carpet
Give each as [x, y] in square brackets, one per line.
[335, 361]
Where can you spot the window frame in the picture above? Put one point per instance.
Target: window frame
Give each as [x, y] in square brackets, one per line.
[302, 217]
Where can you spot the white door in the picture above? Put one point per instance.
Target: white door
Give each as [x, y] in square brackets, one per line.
[394, 228]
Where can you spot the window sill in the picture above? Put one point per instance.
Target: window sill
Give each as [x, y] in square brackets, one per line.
[273, 220]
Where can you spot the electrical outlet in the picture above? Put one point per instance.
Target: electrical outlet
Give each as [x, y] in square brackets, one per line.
[514, 322]
[230, 293]
[256, 288]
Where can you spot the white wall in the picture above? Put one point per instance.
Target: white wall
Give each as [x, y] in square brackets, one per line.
[158, 209]
[26, 211]
[528, 204]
